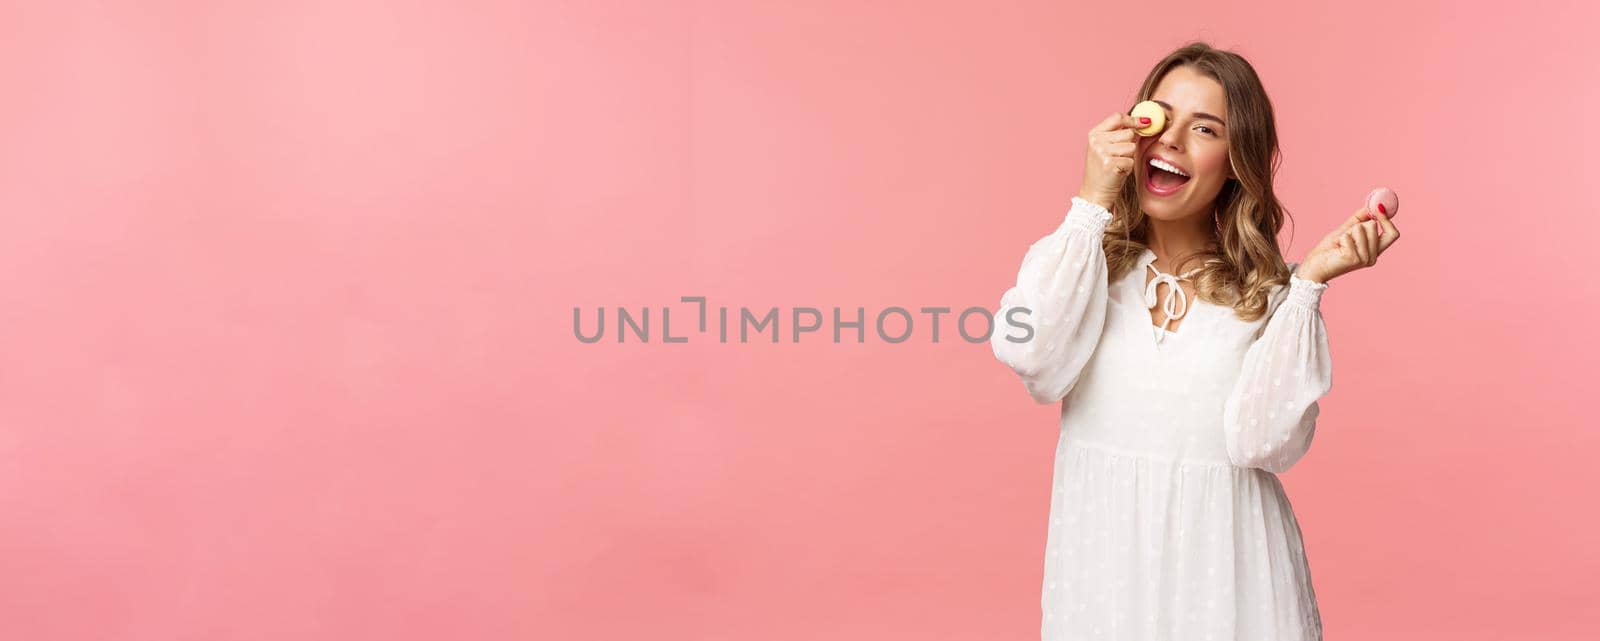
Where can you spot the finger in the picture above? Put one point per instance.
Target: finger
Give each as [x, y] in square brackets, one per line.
[1121, 149]
[1378, 233]
[1355, 219]
[1119, 135]
[1371, 235]
[1123, 166]
[1357, 244]
[1118, 121]
[1390, 232]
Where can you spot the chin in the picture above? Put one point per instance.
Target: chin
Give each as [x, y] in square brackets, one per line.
[1168, 208]
[1159, 208]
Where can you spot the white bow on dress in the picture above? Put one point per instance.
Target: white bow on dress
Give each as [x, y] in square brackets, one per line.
[1176, 302]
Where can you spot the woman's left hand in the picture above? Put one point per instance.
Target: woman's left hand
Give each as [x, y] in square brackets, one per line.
[1354, 245]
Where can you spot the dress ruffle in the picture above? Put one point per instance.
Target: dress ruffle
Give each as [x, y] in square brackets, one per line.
[1141, 548]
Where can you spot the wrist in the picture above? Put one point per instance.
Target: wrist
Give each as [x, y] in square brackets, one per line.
[1310, 275]
[1088, 215]
[1305, 291]
[1097, 199]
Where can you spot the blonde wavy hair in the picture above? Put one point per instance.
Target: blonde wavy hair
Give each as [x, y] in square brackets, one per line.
[1243, 263]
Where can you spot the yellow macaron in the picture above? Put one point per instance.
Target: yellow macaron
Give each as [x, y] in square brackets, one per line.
[1152, 110]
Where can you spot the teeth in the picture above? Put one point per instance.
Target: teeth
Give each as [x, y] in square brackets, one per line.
[1160, 164]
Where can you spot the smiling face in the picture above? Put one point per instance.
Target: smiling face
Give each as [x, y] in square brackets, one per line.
[1195, 142]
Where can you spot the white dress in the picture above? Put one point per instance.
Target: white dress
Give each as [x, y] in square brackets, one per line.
[1167, 520]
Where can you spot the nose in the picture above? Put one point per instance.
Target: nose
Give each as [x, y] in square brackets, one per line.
[1169, 137]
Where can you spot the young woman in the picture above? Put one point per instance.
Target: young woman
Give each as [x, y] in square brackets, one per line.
[1188, 359]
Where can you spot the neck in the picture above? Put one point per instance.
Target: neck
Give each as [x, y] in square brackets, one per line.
[1171, 239]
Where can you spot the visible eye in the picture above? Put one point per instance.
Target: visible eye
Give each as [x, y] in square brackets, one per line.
[1206, 129]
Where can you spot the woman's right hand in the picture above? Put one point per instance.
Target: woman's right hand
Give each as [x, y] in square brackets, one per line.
[1109, 159]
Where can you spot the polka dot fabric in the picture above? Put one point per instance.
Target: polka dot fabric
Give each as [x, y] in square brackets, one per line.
[1167, 520]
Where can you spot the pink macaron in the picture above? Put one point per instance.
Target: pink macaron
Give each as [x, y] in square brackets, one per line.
[1383, 200]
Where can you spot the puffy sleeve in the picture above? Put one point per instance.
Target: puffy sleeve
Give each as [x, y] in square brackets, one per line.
[1049, 323]
[1271, 413]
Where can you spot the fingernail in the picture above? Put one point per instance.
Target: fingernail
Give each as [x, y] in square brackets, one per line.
[1144, 120]
[1383, 210]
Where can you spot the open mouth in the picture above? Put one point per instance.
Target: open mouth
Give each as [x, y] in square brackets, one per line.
[1162, 178]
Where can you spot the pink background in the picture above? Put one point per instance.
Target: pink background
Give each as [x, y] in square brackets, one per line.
[288, 296]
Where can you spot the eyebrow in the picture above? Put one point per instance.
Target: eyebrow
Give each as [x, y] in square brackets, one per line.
[1198, 114]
